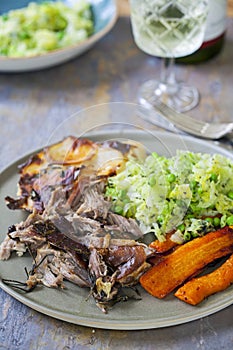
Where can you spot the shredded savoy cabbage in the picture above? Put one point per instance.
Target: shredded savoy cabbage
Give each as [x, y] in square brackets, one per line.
[189, 194]
[42, 27]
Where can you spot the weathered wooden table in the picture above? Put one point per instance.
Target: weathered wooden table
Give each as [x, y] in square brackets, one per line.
[33, 104]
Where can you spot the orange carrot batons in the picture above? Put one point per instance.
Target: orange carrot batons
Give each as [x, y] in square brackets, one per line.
[186, 261]
[197, 289]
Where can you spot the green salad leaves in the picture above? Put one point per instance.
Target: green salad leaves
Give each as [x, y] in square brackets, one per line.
[189, 194]
[42, 27]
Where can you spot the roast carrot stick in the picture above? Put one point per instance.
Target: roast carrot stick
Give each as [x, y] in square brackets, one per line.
[197, 289]
[186, 261]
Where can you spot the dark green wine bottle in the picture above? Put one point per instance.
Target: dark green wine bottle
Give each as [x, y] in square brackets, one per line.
[214, 34]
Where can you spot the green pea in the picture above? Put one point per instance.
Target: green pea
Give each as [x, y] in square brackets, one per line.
[118, 209]
[230, 194]
[131, 212]
[60, 34]
[199, 190]
[159, 219]
[216, 221]
[152, 181]
[171, 177]
[181, 227]
[229, 221]
[193, 184]
[190, 216]
[154, 155]
[187, 236]
[195, 234]
[210, 220]
[5, 17]
[214, 177]
[4, 51]
[24, 35]
[125, 200]
[122, 193]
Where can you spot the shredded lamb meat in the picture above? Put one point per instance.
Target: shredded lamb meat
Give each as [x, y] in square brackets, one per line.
[71, 232]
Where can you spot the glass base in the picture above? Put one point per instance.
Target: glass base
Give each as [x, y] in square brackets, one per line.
[179, 96]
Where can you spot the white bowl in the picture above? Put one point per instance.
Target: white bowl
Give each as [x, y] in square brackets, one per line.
[105, 16]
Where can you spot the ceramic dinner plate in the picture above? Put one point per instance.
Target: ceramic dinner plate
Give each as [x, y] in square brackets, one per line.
[105, 16]
[73, 304]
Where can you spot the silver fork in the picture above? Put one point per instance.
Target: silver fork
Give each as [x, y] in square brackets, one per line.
[192, 126]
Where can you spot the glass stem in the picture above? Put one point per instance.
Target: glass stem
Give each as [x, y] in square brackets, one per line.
[167, 72]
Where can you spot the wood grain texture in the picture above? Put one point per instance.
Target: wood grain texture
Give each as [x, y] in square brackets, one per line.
[124, 7]
[230, 8]
[32, 107]
[22, 328]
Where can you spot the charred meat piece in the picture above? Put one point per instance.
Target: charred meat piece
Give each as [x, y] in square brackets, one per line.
[123, 224]
[94, 205]
[25, 234]
[52, 265]
[59, 164]
[50, 268]
[61, 240]
[113, 268]
[130, 263]
[103, 287]
[9, 245]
